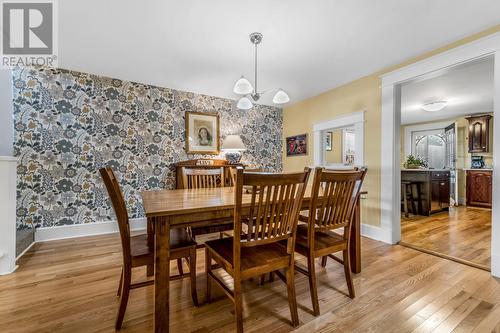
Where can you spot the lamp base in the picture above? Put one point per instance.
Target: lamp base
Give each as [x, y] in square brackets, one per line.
[233, 157]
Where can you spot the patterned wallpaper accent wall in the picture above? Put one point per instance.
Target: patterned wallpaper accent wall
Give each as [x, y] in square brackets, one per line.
[69, 124]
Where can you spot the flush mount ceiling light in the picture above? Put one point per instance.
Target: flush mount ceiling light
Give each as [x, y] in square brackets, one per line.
[245, 88]
[434, 106]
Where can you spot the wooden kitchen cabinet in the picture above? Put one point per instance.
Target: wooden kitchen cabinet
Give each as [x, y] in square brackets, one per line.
[479, 188]
[434, 188]
[479, 134]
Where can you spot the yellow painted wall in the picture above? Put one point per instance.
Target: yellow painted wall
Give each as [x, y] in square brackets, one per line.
[335, 155]
[361, 94]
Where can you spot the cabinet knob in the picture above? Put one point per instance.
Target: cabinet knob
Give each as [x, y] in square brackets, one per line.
[442, 184]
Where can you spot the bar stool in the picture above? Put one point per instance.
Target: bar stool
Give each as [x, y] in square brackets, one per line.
[407, 191]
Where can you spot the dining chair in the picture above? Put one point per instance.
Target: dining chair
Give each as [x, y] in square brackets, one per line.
[271, 213]
[333, 199]
[205, 178]
[137, 253]
[233, 171]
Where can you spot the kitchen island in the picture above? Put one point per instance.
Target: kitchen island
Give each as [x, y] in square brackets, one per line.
[434, 189]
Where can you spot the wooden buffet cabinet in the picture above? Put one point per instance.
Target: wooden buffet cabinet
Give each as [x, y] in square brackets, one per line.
[434, 188]
[479, 187]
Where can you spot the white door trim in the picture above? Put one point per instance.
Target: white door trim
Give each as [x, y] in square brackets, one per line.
[390, 150]
[356, 119]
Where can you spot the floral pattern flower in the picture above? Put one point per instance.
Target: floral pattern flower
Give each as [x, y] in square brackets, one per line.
[69, 124]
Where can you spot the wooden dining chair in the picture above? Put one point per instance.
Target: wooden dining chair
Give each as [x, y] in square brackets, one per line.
[233, 171]
[271, 213]
[333, 200]
[206, 178]
[136, 252]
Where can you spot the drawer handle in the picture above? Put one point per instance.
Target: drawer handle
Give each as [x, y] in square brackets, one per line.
[442, 184]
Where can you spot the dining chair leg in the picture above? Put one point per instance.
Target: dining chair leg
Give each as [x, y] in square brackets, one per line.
[238, 305]
[127, 276]
[179, 266]
[323, 261]
[208, 270]
[271, 277]
[118, 293]
[347, 271]
[312, 284]
[192, 273]
[292, 299]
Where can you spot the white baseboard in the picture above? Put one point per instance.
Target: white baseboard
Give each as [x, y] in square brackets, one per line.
[373, 232]
[88, 229]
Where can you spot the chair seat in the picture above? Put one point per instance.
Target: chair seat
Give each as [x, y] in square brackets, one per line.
[179, 239]
[323, 241]
[272, 255]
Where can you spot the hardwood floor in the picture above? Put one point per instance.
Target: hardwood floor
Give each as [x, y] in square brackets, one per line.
[464, 233]
[70, 286]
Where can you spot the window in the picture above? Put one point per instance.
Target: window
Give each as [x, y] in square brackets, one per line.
[431, 146]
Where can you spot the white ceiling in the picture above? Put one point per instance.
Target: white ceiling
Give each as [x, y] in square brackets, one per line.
[309, 46]
[468, 89]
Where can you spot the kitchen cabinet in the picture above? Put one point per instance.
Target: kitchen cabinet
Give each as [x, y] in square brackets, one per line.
[434, 186]
[479, 134]
[479, 188]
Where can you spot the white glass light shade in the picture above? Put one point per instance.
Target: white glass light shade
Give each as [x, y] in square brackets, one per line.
[242, 86]
[281, 97]
[233, 142]
[244, 103]
[434, 106]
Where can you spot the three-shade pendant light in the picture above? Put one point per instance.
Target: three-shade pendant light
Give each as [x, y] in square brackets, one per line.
[244, 87]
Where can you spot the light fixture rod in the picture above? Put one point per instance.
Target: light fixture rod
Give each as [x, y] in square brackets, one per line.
[255, 67]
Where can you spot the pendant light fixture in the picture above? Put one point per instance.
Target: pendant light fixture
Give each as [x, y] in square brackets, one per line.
[249, 93]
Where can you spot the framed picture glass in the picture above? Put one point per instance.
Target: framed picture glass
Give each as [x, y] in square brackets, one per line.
[328, 141]
[202, 133]
[296, 145]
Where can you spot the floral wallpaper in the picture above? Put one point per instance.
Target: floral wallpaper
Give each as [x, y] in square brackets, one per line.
[70, 124]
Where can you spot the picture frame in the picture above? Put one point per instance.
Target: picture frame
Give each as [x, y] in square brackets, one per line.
[328, 141]
[202, 133]
[296, 145]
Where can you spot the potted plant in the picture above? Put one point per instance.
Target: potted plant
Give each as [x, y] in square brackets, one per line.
[414, 162]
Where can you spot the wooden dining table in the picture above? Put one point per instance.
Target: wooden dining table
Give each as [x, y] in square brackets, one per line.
[182, 208]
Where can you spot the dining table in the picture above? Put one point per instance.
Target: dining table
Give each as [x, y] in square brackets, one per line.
[181, 208]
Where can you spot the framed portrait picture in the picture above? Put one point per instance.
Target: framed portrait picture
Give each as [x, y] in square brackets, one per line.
[296, 145]
[328, 141]
[202, 133]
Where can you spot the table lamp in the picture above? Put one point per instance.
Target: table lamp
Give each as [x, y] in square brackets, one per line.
[232, 145]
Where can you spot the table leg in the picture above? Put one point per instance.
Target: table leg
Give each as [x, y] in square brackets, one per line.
[355, 241]
[162, 274]
[151, 244]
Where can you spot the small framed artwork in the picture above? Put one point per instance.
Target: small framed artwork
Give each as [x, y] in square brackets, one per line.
[296, 145]
[328, 141]
[202, 133]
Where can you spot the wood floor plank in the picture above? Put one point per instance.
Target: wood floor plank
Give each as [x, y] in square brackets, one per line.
[463, 232]
[70, 286]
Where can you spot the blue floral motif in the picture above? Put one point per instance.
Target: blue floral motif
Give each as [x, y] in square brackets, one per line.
[69, 124]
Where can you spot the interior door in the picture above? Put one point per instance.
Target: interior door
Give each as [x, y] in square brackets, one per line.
[451, 160]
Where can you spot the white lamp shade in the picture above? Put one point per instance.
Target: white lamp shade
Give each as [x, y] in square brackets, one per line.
[242, 86]
[244, 103]
[281, 97]
[434, 106]
[233, 142]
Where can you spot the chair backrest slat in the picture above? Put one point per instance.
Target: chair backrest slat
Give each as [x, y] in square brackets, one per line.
[120, 208]
[334, 197]
[273, 210]
[202, 178]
